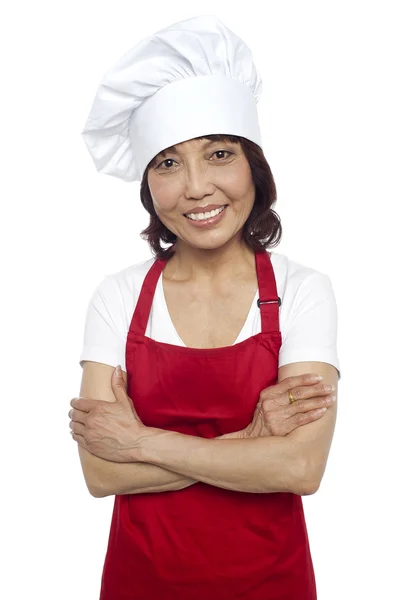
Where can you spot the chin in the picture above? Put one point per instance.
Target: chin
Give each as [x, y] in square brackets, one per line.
[208, 242]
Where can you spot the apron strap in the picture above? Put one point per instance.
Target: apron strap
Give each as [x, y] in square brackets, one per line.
[268, 301]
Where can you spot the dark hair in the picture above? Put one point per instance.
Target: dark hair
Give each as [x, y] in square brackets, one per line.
[261, 230]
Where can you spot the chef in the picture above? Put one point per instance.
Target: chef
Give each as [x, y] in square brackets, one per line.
[220, 414]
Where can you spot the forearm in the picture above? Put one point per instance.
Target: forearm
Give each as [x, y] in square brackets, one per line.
[259, 465]
[138, 477]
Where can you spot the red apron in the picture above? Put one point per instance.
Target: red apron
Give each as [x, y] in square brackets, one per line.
[205, 542]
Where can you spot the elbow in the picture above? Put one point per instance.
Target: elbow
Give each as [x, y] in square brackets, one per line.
[93, 476]
[98, 491]
[309, 480]
[309, 490]
[94, 491]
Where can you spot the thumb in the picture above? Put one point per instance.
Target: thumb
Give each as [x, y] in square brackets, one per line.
[118, 384]
[120, 389]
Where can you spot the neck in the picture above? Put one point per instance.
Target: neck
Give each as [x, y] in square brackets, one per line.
[206, 265]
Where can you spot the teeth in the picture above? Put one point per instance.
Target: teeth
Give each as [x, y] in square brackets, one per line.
[204, 216]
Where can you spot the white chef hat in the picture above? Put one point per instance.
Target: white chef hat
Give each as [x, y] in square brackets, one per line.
[191, 79]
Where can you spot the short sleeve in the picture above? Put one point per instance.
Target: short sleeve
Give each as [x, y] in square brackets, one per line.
[105, 333]
[311, 327]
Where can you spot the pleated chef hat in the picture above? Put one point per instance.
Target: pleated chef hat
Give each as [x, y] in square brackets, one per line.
[193, 78]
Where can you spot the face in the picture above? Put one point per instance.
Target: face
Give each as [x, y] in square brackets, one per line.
[198, 176]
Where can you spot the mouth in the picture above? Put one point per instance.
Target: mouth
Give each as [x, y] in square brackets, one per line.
[208, 219]
[205, 216]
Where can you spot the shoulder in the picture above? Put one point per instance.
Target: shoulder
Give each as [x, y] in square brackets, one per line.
[109, 314]
[296, 280]
[308, 313]
[130, 274]
[123, 285]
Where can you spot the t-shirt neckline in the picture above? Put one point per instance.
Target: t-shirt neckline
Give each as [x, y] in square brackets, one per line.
[172, 328]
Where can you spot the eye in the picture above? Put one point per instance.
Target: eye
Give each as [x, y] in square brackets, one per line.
[167, 160]
[167, 163]
[219, 152]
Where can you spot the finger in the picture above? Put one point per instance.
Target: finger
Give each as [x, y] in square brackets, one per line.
[299, 386]
[297, 380]
[309, 404]
[77, 415]
[302, 392]
[77, 428]
[79, 438]
[119, 386]
[303, 418]
[134, 409]
[84, 404]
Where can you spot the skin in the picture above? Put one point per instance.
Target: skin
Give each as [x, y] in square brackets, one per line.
[199, 173]
[113, 431]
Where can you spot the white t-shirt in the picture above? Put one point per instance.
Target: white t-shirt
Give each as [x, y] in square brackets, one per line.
[307, 316]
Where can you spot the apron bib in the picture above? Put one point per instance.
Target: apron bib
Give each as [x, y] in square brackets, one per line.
[205, 542]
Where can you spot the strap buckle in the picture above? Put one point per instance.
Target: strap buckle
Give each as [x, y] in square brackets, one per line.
[259, 302]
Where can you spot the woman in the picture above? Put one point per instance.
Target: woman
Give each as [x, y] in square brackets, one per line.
[199, 437]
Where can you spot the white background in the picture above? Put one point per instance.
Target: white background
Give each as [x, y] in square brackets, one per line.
[329, 119]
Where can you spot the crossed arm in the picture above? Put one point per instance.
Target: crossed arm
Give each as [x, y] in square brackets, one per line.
[173, 461]
[259, 465]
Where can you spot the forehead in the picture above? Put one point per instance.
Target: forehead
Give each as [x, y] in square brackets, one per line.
[200, 143]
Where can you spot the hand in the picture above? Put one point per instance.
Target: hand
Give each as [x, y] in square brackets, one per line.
[274, 415]
[110, 430]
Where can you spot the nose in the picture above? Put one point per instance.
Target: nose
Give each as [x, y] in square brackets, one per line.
[197, 182]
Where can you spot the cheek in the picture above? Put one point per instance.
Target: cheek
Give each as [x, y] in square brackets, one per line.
[240, 185]
[163, 195]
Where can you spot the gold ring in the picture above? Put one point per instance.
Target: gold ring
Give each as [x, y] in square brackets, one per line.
[292, 400]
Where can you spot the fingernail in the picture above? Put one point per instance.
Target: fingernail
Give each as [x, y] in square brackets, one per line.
[118, 371]
[316, 377]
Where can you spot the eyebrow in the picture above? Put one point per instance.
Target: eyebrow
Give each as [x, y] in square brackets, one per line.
[174, 149]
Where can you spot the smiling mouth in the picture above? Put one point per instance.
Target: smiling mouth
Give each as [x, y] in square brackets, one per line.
[203, 216]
